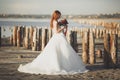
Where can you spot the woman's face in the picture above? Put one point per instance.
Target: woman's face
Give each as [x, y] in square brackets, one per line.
[59, 15]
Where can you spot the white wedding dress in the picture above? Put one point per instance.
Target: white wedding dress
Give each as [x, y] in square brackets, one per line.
[58, 57]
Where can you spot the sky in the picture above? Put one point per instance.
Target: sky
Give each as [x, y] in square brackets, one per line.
[65, 6]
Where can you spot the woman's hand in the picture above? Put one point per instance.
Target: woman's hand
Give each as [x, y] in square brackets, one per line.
[60, 29]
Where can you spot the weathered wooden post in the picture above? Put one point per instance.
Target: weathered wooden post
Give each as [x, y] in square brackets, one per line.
[11, 39]
[21, 36]
[85, 47]
[18, 37]
[34, 43]
[31, 36]
[94, 30]
[44, 37]
[15, 35]
[81, 31]
[75, 41]
[0, 36]
[39, 37]
[99, 53]
[113, 49]
[27, 38]
[107, 31]
[104, 32]
[71, 38]
[23, 31]
[97, 33]
[39, 44]
[50, 33]
[92, 57]
[107, 50]
[101, 33]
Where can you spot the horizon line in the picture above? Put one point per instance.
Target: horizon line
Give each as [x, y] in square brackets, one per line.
[62, 14]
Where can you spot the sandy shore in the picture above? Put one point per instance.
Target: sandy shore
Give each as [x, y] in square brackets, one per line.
[11, 58]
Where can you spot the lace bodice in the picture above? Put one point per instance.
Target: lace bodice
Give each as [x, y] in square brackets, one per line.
[55, 27]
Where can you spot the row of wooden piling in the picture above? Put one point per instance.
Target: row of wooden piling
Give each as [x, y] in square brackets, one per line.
[99, 33]
[109, 25]
[110, 49]
[88, 46]
[30, 37]
[36, 38]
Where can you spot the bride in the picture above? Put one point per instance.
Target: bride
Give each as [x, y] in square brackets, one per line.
[58, 57]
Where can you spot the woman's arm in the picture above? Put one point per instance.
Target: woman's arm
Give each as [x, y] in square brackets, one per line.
[60, 29]
[57, 27]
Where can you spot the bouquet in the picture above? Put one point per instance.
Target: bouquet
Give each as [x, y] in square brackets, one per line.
[63, 22]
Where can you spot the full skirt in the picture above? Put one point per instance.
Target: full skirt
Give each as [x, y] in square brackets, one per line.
[58, 57]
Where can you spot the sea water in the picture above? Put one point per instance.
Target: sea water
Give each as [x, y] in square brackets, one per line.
[7, 24]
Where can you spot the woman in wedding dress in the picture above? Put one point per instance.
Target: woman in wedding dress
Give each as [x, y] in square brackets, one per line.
[58, 57]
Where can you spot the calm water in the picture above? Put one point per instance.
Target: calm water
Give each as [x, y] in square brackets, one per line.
[8, 23]
[32, 22]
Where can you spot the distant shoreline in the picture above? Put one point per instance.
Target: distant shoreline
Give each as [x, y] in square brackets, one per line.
[68, 18]
[43, 16]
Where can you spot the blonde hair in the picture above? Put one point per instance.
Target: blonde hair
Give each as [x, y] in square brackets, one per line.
[54, 17]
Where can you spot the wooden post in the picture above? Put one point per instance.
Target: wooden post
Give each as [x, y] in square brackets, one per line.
[34, 45]
[39, 44]
[81, 31]
[104, 32]
[107, 31]
[99, 53]
[94, 30]
[50, 33]
[21, 35]
[27, 38]
[44, 38]
[85, 47]
[97, 33]
[38, 39]
[15, 36]
[113, 49]
[75, 40]
[23, 31]
[0, 36]
[106, 50]
[101, 33]
[11, 39]
[92, 48]
[18, 37]
[71, 38]
[31, 36]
